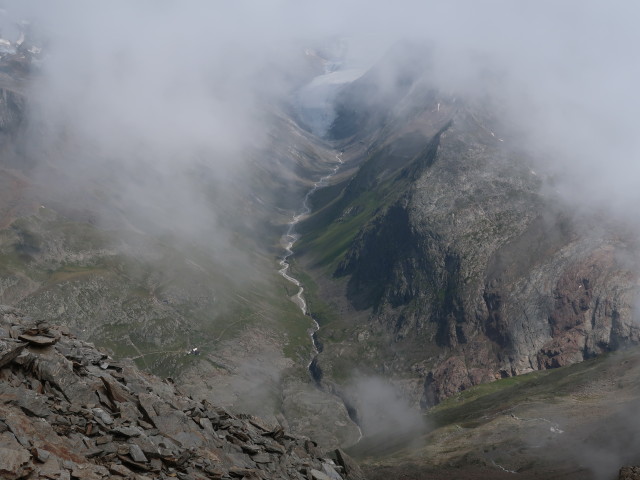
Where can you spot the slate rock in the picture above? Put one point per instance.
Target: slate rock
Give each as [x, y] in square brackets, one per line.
[104, 439]
[33, 404]
[14, 463]
[85, 472]
[9, 351]
[121, 470]
[351, 468]
[133, 464]
[17, 426]
[330, 471]
[251, 449]
[38, 340]
[318, 475]
[145, 428]
[136, 453]
[115, 391]
[261, 458]
[274, 448]
[146, 402]
[103, 416]
[40, 455]
[242, 472]
[629, 473]
[127, 431]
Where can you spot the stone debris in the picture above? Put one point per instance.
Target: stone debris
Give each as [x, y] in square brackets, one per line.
[629, 473]
[69, 412]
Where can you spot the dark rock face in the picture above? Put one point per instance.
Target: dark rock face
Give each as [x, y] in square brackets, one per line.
[467, 269]
[512, 284]
[68, 411]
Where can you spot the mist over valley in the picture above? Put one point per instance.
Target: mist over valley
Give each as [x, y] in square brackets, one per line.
[339, 240]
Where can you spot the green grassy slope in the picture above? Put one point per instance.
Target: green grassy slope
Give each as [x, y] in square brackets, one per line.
[153, 304]
[561, 423]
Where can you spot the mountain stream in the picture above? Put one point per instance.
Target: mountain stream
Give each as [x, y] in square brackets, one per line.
[288, 240]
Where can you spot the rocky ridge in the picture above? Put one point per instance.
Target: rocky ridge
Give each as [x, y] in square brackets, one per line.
[70, 411]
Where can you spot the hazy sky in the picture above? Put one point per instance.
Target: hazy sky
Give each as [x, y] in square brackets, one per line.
[171, 86]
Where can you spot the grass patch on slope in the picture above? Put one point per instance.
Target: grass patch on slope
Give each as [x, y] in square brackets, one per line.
[480, 403]
[328, 234]
[153, 307]
[319, 309]
[483, 403]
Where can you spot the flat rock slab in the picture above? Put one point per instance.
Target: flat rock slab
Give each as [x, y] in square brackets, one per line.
[33, 403]
[120, 470]
[127, 431]
[136, 453]
[331, 472]
[38, 340]
[261, 458]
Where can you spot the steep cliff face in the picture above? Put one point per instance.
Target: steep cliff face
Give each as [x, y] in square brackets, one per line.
[455, 266]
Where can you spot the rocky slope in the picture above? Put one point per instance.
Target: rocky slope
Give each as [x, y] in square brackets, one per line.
[68, 411]
[445, 260]
[75, 251]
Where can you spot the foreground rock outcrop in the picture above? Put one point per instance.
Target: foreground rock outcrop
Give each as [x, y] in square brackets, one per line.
[69, 411]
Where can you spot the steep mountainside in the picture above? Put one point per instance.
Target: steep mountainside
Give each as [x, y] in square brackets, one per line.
[443, 261]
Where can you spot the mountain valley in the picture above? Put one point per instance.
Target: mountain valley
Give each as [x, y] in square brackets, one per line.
[461, 316]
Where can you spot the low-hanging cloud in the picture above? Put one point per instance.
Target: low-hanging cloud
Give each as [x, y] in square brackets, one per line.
[170, 87]
[157, 102]
[151, 107]
[381, 408]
